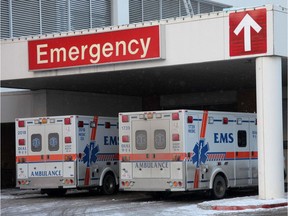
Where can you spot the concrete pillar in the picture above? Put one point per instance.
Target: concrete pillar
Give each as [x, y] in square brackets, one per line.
[120, 12]
[269, 126]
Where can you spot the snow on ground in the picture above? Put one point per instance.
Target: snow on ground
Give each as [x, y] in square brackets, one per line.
[33, 203]
[244, 201]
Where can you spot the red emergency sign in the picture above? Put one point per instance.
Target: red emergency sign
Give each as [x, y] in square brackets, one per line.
[107, 47]
[248, 32]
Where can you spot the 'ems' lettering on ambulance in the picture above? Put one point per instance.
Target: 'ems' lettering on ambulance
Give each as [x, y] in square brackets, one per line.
[223, 138]
[45, 173]
[111, 140]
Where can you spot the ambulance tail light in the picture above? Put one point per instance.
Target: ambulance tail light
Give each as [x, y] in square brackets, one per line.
[190, 119]
[21, 123]
[125, 118]
[127, 183]
[22, 160]
[175, 116]
[21, 142]
[80, 124]
[176, 157]
[175, 137]
[68, 140]
[225, 120]
[68, 158]
[180, 184]
[125, 158]
[23, 182]
[125, 138]
[67, 121]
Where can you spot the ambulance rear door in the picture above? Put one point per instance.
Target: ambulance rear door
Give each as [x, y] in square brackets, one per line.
[151, 148]
[45, 150]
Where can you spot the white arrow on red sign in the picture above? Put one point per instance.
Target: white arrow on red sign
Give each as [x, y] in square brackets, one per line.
[247, 23]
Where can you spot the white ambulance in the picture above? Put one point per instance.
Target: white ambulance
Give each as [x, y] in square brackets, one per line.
[185, 150]
[64, 152]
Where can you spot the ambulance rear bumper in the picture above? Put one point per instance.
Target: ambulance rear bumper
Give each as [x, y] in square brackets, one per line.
[152, 185]
[46, 183]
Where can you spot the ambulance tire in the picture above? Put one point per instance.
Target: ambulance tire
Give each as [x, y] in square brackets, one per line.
[109, 184]
[219, 187]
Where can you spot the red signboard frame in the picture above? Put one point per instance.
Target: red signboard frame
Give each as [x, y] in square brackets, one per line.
[93, 49]
[258, 40]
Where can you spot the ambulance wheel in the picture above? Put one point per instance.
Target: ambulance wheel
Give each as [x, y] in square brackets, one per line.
[219, 187]
[109, 184]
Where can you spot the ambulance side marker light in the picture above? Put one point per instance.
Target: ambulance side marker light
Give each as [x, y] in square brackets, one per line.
[225, 120]
[67, 121]
[80, 124]
[149, 115]
[21, 142]
[21, 123]
[107, 125]
[175, 137]
[175, 116]
[210, 120]
[68, 140]
[125, 138]
[190, 119]
[44, 121]
[125, 118]
[239, 121]
[158, 115]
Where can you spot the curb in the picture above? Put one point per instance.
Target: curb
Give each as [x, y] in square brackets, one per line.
[233, 208]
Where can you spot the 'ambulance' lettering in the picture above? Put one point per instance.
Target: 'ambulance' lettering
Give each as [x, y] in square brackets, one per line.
[144, 165]
[45, 173]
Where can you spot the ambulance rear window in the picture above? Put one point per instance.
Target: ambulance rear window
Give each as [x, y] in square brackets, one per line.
[160, 139]
[53, 142]
[242, 138]
[36, 142]
[141, 139]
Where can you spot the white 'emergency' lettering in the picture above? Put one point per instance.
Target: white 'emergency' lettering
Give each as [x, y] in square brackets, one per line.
[95, 51]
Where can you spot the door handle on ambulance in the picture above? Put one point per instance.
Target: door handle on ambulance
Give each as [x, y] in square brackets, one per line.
[48, 157]
[42, 157]
[154, 155]
[147, 155]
